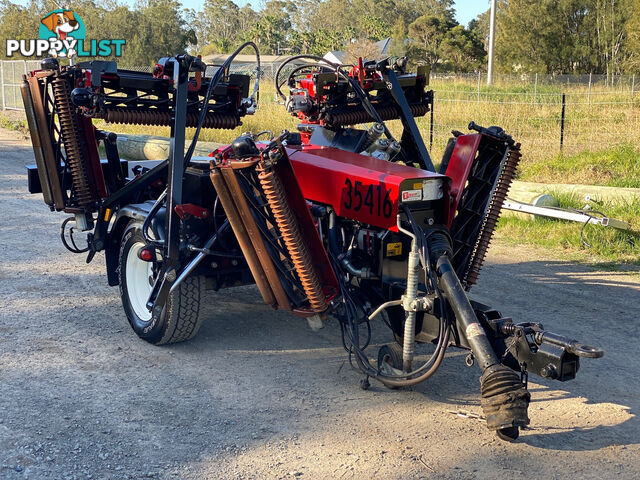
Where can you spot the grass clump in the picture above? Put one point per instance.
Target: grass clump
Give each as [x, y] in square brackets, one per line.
[18, 125]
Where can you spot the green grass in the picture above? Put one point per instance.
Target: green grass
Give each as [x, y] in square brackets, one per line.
[616, 167]
[18, 125]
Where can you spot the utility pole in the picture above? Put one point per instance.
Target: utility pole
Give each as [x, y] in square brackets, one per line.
[492, 37]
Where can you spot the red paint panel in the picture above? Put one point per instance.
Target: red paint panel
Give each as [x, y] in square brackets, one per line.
[459, 167]
[358, 187]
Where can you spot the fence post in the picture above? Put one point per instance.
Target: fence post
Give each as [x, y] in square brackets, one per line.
[431, 124]
[478, 85]
[2, 82]
[562, 122]
[535, 89]
[13, 79]
[589, 94]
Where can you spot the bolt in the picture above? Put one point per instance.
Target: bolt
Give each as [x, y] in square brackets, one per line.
[549, 372]
[171, 275]
[234, 262]
[214, 265]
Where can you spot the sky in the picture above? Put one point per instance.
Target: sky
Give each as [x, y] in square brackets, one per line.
[466, 10]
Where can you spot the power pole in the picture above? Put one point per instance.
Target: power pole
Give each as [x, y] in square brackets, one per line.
[492, 37]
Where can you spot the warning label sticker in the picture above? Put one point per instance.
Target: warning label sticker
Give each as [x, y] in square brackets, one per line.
[394, 249]
[412, 195]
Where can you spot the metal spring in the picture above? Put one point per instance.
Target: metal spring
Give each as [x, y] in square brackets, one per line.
[69, 133]
[508, 328]
[148, 117]
[360, 115]
[274, 193]
[493, 214]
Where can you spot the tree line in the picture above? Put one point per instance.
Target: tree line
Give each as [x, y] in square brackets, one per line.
[546, 36]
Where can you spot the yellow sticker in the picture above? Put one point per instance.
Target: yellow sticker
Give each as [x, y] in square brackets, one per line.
[417, 186]
[394, 249]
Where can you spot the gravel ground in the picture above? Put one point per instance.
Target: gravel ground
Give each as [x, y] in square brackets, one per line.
[257, 394]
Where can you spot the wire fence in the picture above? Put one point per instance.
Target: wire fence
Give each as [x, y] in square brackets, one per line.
[546, 113]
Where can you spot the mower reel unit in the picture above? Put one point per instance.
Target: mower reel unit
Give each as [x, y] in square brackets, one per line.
[334, 219]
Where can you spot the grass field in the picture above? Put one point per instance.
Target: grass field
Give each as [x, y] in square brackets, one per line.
[599, 149]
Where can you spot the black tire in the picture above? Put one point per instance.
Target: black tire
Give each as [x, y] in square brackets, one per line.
[509, 434]
[390, 354]
[181, 317]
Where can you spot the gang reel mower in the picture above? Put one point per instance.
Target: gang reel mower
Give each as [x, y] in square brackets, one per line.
[339, 218]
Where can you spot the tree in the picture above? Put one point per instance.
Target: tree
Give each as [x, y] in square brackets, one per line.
[462, 50]
[398, 45]
[18, 23]
[632, 30]
[412, 9]
[426, 36]
[160, 31]
[610, 18]
[364, 48]
[525, 33]
[562, 36]
[374, 28]
[225, 16]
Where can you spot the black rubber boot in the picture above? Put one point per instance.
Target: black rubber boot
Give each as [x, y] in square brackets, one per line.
[505, 401]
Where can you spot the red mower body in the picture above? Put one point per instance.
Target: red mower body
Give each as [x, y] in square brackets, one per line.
[361, 187]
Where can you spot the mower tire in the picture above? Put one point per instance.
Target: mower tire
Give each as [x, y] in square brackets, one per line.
[181, 316]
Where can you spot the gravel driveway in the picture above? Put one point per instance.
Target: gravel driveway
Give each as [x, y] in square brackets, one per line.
[257, 394]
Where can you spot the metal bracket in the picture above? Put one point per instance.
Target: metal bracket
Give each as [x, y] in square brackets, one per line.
[564, 214]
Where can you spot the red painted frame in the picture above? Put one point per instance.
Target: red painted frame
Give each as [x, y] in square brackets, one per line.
[325, 175]
[464, 153]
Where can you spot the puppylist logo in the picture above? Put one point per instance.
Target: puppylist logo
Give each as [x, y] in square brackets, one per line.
[62, 34]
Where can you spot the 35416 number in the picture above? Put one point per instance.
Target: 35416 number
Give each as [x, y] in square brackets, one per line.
[374, 198]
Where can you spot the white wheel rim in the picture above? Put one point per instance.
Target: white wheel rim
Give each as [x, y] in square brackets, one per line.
[138, 274]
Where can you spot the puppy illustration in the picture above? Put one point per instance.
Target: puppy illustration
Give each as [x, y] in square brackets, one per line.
[61, 24]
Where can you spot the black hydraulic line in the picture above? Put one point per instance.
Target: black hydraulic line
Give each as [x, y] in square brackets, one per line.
[73, 247]
[215, 79]
[465, 315]
[154, 209]
[350, 329]
[178, 161]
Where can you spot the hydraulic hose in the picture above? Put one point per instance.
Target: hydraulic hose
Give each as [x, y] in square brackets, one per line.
[441, 349]
[215, 79]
